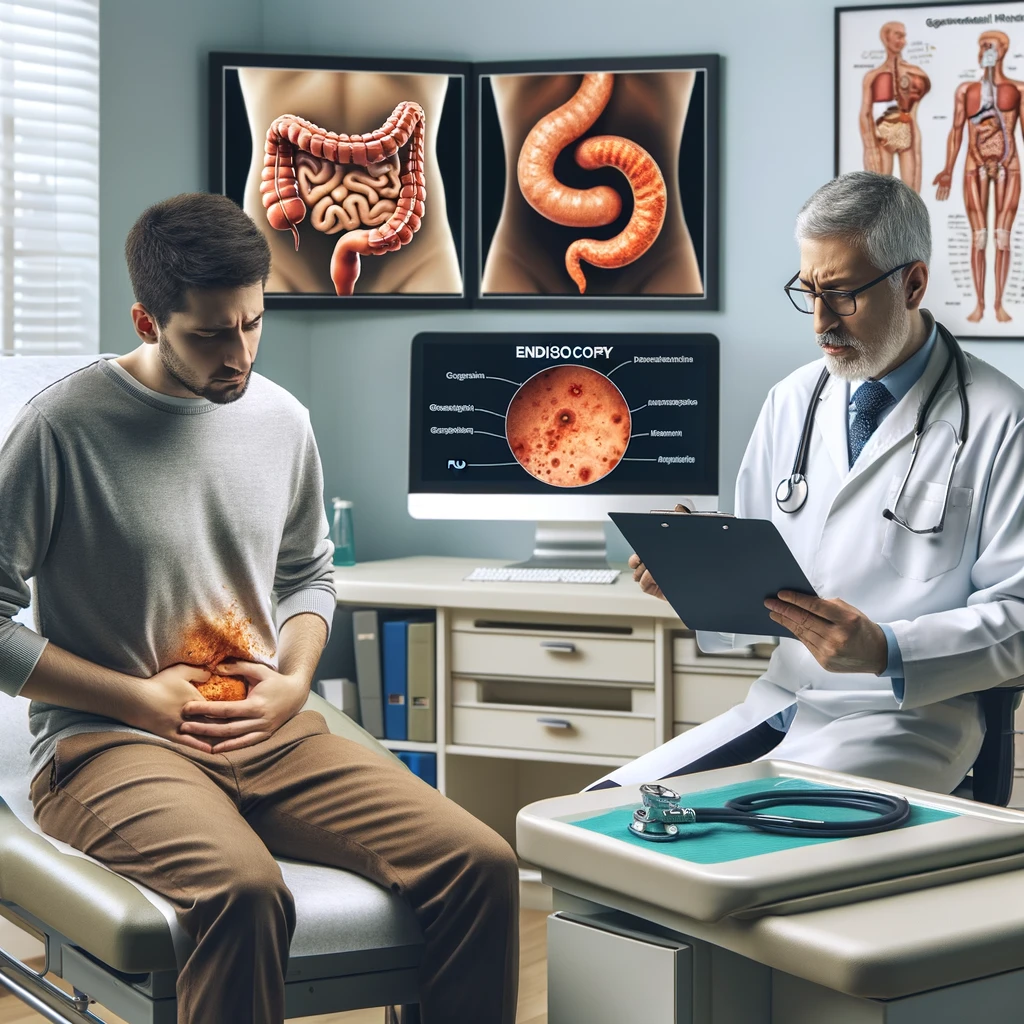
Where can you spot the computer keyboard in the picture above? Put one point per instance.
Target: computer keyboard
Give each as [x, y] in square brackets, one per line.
[508, 574]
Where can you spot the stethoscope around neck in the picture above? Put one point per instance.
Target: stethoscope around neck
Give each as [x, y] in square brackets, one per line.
[791, 494]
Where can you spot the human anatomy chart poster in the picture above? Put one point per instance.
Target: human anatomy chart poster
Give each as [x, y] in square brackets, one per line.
[597, 183]
[934, 94]
[355, 173]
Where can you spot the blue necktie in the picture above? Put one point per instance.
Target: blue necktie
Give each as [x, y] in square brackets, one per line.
[871, 398]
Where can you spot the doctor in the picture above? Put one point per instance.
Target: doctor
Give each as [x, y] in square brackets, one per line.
[877, 679]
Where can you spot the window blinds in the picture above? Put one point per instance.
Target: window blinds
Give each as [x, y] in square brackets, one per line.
[49, 177]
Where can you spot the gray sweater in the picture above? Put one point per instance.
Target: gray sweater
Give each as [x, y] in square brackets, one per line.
[158, 530]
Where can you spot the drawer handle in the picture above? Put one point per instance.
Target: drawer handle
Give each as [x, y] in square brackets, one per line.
[563, 646]
[556, 723]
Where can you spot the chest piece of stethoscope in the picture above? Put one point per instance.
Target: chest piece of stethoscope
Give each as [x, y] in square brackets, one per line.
[792, 493]
[659, 819]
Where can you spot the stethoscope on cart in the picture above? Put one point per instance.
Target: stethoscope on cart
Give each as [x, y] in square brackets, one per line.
[791, 494]
[663, 819]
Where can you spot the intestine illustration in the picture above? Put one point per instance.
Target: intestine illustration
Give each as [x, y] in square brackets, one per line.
[357, 184]
[593, 207]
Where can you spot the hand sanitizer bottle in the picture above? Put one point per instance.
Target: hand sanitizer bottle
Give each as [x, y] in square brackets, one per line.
[341, 533]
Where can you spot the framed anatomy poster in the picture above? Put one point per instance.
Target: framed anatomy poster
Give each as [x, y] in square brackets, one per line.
[933, 93]
[354, 169]
[597, 183]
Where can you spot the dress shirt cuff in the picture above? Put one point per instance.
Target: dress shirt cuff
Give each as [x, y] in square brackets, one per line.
[894, 663]
[894, 659]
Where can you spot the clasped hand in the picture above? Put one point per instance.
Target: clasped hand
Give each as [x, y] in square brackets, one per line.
[272, 700]
[171, 707]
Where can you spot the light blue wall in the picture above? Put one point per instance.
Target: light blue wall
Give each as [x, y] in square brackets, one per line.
[153, 130]
[352, 368]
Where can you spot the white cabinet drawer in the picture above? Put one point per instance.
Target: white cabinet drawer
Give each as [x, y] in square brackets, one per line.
[477, 621]
[572, 732]
[686, 654]
[561, 696]
[699, 696]
[552, 656]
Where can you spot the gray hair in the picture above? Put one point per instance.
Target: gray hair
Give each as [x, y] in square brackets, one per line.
[876, 212]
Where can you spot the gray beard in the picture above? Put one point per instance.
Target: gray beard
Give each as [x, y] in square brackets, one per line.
[868, 362]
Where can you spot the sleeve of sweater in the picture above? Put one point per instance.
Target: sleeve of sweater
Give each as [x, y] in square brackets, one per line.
[304, 578]
[31, 499]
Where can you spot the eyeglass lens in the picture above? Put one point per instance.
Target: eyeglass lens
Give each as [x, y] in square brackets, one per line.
[841, 303]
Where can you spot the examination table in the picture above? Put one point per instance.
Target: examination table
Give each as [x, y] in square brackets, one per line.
[355, 945]
[922, 925]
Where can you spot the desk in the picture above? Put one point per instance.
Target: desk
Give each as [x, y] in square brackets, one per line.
[542, 687]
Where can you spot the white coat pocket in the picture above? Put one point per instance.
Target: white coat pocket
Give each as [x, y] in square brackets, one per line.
[925, 556]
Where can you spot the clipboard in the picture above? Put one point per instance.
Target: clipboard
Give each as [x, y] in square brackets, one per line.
[715, 570]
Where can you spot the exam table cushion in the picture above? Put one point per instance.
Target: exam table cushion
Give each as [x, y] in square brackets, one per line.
[103, 913]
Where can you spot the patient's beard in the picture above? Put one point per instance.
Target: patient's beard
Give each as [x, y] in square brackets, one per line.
[177, 368]
[869, 362]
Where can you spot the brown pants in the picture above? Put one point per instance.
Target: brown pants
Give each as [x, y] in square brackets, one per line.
[203, 830]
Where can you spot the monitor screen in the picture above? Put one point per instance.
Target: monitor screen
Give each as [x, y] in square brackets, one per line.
[561, 426]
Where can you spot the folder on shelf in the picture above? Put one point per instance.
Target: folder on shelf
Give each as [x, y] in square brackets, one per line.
[368, 671]
[395, 664]
[343, 694]
[420, 764]
[421, 688]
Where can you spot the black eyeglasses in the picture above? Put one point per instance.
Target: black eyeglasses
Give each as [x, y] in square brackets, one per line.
[842, 303]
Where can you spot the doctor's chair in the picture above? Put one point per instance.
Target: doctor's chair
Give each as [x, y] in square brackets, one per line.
[991, 778]
[355, 945]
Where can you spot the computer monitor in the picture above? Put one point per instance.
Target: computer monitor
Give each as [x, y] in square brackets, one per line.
[562, 429]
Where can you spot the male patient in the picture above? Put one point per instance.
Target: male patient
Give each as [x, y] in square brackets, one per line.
[161, 500]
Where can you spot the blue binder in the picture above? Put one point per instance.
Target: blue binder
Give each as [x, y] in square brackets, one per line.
[395, 641]
[421, 764]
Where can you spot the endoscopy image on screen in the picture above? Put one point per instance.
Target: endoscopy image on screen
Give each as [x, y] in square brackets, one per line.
[597, 185]
[355, 176]
[523, 414]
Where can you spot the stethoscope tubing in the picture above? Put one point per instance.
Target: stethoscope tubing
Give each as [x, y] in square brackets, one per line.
[890, 812]
[791, 493]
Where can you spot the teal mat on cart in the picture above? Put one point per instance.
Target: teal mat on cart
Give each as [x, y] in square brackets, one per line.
[715, 844]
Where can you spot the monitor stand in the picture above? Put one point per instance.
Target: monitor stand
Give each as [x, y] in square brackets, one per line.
[567, 546]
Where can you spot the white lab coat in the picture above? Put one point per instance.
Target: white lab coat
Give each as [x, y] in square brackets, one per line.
[955, 600]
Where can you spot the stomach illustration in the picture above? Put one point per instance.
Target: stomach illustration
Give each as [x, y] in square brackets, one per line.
[568, 426]
[592, 207]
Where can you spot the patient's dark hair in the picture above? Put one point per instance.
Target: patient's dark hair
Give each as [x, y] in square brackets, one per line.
[195, 240]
